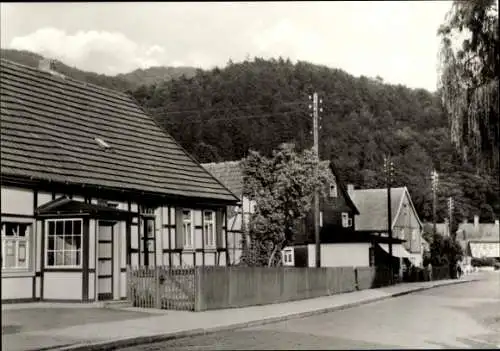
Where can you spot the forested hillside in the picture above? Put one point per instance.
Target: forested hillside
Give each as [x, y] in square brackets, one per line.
[220, 114]
[154, 75]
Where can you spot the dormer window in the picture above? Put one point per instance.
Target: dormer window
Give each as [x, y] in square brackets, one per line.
[102, 143]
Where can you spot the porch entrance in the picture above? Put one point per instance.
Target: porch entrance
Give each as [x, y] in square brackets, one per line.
[105, 279]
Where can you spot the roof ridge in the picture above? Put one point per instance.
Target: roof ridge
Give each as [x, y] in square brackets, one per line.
[68, 78]
[381, 189]
[220, 163]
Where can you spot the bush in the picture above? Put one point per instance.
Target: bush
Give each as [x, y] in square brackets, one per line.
[416, 274]
[484, 262]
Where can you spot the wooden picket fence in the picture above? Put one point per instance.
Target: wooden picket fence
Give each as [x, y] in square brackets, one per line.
[205, 288]
[161, 287]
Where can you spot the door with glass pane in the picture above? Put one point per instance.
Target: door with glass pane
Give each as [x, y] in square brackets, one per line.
[105, 260]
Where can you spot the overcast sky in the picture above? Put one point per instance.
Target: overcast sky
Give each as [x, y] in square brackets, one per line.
[395, 40]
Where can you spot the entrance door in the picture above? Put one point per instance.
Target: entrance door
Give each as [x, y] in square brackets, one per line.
[105, 260]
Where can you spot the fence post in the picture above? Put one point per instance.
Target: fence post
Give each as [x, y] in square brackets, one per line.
[197, 289]
[157, 288]
[356, 280]
[127, 284]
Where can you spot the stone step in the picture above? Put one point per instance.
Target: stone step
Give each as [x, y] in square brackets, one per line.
[116, 304]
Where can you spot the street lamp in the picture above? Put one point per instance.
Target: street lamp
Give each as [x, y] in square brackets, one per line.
[435, 182]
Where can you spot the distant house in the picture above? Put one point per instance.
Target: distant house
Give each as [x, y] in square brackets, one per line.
[479, 240]
[442, 229]
[90, 184]
[405, 223]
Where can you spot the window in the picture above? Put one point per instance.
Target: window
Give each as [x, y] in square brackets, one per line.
[15, 245]
[209, 228]
[148, 210]
[64, 243]
[333, 190]
[346, 221]
[287, 256]
[187, 228]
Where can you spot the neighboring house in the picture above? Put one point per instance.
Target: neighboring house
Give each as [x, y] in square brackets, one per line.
[340, 246]
[230, 174]
[90, 184]
[405, 223]
[479, 240]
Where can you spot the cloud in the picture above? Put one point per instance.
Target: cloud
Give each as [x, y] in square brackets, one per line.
[97, 51]
[288, 40]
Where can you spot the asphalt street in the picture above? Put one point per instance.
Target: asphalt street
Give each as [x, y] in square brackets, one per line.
[457, 316]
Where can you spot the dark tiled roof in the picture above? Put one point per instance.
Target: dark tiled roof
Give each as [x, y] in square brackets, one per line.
[49, 126]
[372, 206]
[228, 173]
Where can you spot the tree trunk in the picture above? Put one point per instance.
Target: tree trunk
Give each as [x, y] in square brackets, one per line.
[273, 253]
[271, 258]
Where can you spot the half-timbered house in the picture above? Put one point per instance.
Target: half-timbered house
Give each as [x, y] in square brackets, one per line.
[90, 184]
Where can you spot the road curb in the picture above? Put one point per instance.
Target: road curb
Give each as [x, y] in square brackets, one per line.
[121, 343]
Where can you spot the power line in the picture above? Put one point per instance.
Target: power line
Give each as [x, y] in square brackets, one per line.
[237, 107]
[232, 118]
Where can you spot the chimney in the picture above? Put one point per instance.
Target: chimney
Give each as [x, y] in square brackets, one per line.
[476, 223]
[45, 65]
[350, 189]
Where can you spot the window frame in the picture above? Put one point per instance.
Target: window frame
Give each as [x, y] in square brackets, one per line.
[28, 240]
[333, 191]
[346, 220]
[46, 253]
[191, 222]
[288, 256]
[207, 244]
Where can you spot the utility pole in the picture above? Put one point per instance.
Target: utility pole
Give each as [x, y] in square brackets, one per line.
[389, 171]
[450, 215]
[316, 109]
[435, 180]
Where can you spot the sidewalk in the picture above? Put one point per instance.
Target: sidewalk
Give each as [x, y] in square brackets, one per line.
[165, 325]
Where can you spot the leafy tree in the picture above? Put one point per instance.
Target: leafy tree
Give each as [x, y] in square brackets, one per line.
[469, 79]
[444, 251]
[282, 187]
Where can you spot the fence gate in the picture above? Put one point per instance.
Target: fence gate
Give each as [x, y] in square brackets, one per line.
[161, 287]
